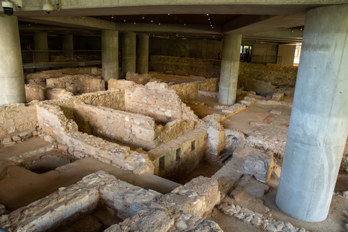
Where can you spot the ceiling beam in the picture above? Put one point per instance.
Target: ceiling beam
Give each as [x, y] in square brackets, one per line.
[73, 22]
[264, 24]
[98, 24]
[135, 7]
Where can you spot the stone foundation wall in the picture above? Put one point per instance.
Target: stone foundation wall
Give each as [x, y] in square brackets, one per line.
[74, 80]
[58, 127]
[132, 129]
[17, 122]
[141, 210]
[270, 78]
[185, 86]
[40, 77]
[113, 99]
[77, 84]
[154, 99]
[178, 156]
[185, 66]
[191, 89]
[261, 78]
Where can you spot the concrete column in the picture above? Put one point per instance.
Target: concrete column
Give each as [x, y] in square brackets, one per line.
[229, 68]
[11, 68]
[68, 45]
[109, 54]
[143, 53]
[129, 52]
[319, 119]
[41, 47]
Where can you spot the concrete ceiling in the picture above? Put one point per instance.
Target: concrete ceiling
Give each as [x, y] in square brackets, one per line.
[252, 18]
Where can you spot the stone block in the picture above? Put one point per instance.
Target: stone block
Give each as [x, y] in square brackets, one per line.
[149, 220]
[58, 93]
[258, 163]
[34, 92]
[278, 96]
[197, 197]
[216, 137]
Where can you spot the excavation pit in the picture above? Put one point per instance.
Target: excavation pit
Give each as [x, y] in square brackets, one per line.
[46, 162]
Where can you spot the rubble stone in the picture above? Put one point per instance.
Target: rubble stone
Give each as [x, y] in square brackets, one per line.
[256, 162]
[278, 96]
[34, 92]
[265, 223]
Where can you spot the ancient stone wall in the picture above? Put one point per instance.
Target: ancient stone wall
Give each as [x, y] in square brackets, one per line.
[132, 129]
[180, 155]
[77, 84]
[74, 80]
[191, 89]
[185, 66]
[270, 78]
[141, 210]
[40, 77]
[17, 122]
[186, 87]
[261, 78]
[113, 99]
[154, 99]
[58, 127]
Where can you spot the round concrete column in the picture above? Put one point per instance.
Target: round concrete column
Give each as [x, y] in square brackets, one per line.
[319, 118]
[143, 53]
[129, 52]
[41, 47]
[229, 68]
[68, 45]
[109, 54]
[11, 68]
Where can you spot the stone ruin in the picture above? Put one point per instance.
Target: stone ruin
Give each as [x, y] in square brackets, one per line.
[146, 129]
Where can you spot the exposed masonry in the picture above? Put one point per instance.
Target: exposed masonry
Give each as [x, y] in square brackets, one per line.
[263, 222]
[146, 210]
[147, 117]
[56, 84]
[263, 79]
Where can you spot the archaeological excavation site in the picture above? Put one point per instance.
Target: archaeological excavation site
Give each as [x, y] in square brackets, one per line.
[156, 116]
